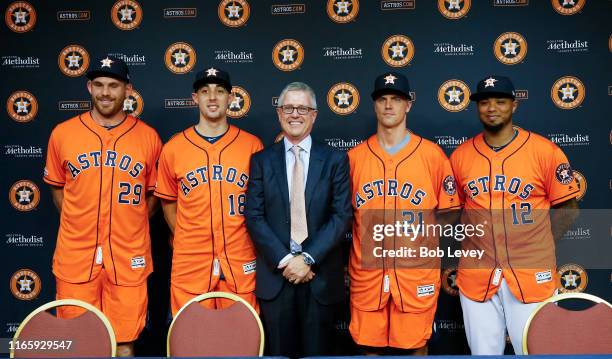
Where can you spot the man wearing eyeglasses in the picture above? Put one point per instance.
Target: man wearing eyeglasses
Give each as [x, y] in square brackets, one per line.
[298, 209]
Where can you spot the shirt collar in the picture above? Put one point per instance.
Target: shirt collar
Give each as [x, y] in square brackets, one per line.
[305, 145]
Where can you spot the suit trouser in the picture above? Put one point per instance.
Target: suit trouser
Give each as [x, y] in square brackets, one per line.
[296, 324]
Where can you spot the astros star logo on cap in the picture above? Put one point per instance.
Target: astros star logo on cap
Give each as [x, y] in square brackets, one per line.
[490, 82]
[106, 62]
[390, 79]
[211, 72]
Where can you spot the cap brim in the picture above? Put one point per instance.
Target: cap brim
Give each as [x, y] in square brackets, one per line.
[93, 74]
[482, 95]
[198, 84]
[376, 94]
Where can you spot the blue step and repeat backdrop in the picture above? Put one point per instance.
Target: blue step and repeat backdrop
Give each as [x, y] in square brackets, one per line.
[557, 52]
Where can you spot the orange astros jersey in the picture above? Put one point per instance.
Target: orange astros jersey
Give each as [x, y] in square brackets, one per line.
[418, 177]
[104, 219]
[209, 183]
[512, 190]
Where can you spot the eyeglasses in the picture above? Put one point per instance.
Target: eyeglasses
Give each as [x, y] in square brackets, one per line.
[302, 110]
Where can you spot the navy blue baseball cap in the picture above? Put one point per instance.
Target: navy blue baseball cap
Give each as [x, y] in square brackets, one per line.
[494, 86]
[212, 75]
[109, 66]
[391, 82]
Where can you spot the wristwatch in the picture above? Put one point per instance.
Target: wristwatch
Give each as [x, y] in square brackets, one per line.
[308, 260]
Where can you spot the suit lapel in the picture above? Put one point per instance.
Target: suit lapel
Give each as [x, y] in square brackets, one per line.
[315, 167]
[280, 172]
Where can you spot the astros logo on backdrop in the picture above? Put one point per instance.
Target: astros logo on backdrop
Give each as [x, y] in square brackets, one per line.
[342, 11]
[582, 184]
[572, 278]
[22, 106]
[567, 92]
[343, 98]
[567, 7]
[454, 9]
[397, 50]
[510, 48]
[234, 13]
[24, 195]
[133, 104]
[20, 16]
[454, 95]
[25, 284]
[73, 60]
[126, 14]
[288, 55]
[241, 104]
[180, 57]
[449, 281]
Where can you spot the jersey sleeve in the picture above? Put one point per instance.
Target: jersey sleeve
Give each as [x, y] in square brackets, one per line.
[444, 181]
[152, 165]
[456, 166]
[166, 186]
[54, 171]
[560, 182]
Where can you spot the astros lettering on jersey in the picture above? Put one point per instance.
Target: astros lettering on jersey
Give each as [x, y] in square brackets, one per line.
[104, 217]
[513, 189]
[209, 183]
[412, 179]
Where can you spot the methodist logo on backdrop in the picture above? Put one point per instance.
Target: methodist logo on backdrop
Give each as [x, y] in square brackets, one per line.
[454, 9]
[25, 284]
[288, 55]
[131, 60]
[133, 104]
[566, 140]
[180, 58]
[567, 7]
[18, 62]
[229, 56]
[448, 49]
[288, 9]
[20, 16]
[567, 92]
[449, 142]
[342, 11]
[234, 13]
[73, 60]
[564, 46]
[241, 103]
[510, 48]
[342, 144]
[21, 240]
[126, 14]
[343, 98]
[19, 151]
[397, 50]
[24, 195]
[22, 106]
[339, 53]
[573, 278]
[454, 95]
